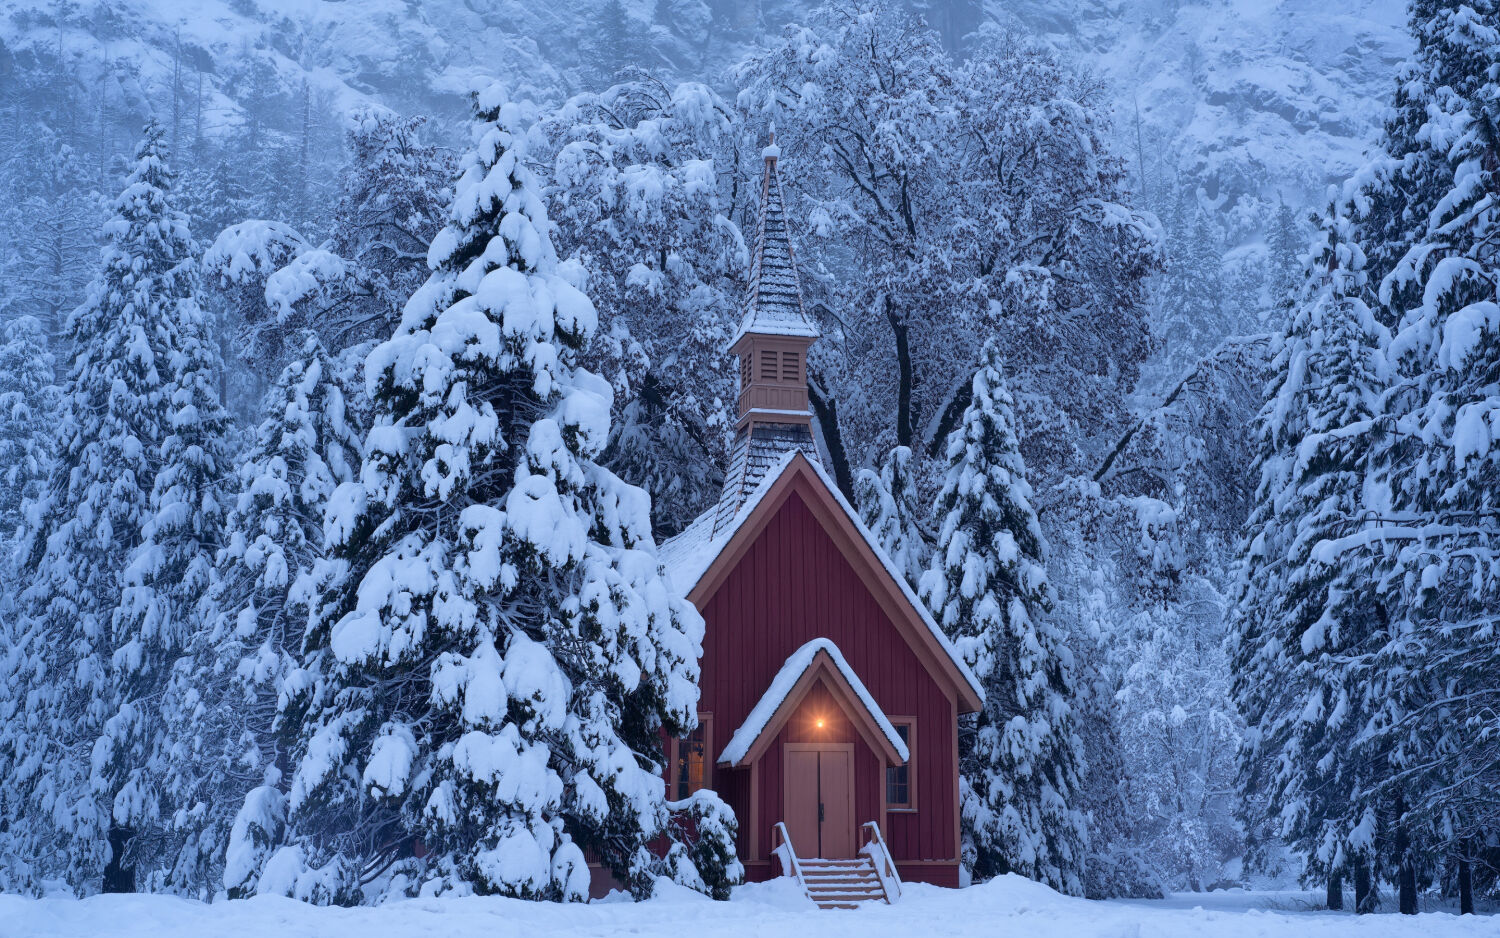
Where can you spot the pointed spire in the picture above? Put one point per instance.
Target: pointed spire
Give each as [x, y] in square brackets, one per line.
[772, 344]
[773, 301]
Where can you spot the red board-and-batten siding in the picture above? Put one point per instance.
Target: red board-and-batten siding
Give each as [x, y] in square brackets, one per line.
[791, 585]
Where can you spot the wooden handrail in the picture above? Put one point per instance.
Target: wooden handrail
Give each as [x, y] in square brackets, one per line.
[885, 866]
[779, 833]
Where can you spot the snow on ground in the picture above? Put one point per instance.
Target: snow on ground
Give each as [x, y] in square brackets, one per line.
[1010, 906]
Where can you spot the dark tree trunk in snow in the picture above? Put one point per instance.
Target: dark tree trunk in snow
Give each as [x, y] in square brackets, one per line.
[1407, 873]
[1335, 892]
[117, 876]
[1465, 883]
[1364, 895]
[903, 368]
[826, 410]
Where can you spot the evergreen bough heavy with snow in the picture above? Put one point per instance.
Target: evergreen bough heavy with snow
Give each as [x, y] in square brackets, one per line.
[505, 649]
[1306, 610]
[28, 411]
[246, 656]
[1438, 465]
[121, 546]
[988, 588]
[888, 506]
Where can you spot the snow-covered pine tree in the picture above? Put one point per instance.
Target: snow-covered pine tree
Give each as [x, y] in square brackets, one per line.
[1192, 310]
[1305, 617]
[505, 651]
[889, 508]
[169, 572]
[28, 405]
[28, 411]
[246, 656]
[1436, 671]
[134, 403]
[56, 223]
[1284, 246]
[988, 588]
[1453, 52]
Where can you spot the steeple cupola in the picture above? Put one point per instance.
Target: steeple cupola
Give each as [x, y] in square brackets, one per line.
[775, 332]
[772, 342]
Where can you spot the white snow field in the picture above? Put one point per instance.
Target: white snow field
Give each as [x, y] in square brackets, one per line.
[1009, 906]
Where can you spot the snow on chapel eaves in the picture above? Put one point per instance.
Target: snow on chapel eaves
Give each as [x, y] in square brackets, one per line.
[791, 672]
[689, 555]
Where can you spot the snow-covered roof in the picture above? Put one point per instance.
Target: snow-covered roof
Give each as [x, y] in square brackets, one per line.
[689, 555]
[781, 687]
[773, 301]
[758, 449]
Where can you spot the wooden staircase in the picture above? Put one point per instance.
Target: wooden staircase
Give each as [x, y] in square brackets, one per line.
[868, 878]
[842, 884]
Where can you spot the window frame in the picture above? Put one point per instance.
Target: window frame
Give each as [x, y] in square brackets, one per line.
[910, 805]
[674, 753]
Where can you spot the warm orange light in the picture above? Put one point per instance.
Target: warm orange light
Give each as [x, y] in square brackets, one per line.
[820, 722]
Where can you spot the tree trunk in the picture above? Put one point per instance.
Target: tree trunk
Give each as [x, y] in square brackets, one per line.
[826, 410]
[1465, 883]
[1407, 868]
[903, 373]
[1364, 895]
[1335, 892]
[117, 876]
[1408, 886]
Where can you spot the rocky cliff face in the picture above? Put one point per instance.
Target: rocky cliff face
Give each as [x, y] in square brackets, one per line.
[1252, 101]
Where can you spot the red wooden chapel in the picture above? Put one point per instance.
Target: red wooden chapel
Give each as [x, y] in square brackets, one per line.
[830, 699]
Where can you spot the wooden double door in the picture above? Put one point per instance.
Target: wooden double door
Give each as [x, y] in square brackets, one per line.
[818, 799]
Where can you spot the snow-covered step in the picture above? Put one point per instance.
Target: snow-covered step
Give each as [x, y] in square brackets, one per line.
[842, 884]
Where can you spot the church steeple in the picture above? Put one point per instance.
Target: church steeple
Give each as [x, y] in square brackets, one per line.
[775, 333]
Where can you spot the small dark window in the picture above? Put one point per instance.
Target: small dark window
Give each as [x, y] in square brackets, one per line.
[767, 365]
[745, 374]
[690, 764]
[898, 777]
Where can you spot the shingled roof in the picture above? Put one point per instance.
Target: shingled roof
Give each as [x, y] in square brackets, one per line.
[773, 302]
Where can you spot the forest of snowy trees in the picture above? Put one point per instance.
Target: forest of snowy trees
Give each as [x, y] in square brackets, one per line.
[338, 438]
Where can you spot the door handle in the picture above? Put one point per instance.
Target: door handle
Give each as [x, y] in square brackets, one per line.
[820, 812]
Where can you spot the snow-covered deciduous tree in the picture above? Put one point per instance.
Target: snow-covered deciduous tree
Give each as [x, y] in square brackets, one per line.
[505, 650]
[1140, 557]
[988, 588]
[246, 655]
[949, 202]
[276, 282]
[889, 508]
[642, 190]
[117, 544]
